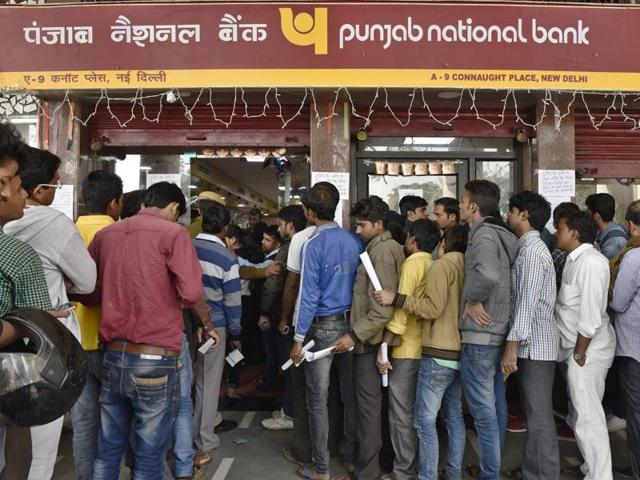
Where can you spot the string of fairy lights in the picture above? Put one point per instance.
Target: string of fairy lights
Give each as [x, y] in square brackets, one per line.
[618, 103]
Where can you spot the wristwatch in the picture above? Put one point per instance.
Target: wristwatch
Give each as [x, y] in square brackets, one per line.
[578, 357]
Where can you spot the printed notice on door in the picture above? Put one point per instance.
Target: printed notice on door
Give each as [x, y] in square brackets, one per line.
[341, 182]
[556, 186]
[557, 183]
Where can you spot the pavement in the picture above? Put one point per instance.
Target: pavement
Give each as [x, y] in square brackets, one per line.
[250, 452]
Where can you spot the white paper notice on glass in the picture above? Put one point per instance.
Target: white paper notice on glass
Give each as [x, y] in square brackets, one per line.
[64, 201]
[234, 357]
[153, 178]
[341, 182]
[368, 266]
[557, 183]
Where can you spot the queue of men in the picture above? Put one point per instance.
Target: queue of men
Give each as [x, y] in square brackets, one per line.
[467, 301]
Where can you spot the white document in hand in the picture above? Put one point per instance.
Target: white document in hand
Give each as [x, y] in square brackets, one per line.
[312, 356]
[368, 266]
[234, 357]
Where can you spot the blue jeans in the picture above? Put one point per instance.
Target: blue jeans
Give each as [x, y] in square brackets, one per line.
[439, 386]
[85, 416]
[183, 452]
[318, 375]
[142, 393]
[483, 386]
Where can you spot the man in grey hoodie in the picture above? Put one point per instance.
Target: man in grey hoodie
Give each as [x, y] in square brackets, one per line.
[484, 323]
[67, 267]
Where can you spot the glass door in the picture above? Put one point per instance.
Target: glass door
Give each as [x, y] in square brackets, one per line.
[391, 187]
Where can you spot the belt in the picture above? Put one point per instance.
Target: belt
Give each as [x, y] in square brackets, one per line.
[141, 349]
[338, 316]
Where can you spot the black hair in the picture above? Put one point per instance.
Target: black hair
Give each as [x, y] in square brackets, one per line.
[603, 204]
[396, 227]
[39, 167]
[12, 148]
[426, 233]
[633, 213]
[215, 218]
[451, 206]
[249, 249]
[132, 203]
[372, 209]
[234, 231]
[272, 231]
[584, 224]
[563, 210]
[255, 212]
[538, 208]
[455, 239]
[409, 203]
[99, 189]
[485, 194]
[161, 194]
[293, 214]
[322, 199]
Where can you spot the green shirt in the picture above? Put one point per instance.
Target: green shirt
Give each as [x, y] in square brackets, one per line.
[22, 281]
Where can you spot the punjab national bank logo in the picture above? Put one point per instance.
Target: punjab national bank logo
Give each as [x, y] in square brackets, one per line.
[305, 30]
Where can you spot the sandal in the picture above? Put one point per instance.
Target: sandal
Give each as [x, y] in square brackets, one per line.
[309, 473]
[233, 393]
[515, 474]
[287, 453]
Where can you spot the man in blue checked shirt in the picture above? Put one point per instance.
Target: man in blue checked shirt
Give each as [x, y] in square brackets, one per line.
[330, 259]
[532, 343]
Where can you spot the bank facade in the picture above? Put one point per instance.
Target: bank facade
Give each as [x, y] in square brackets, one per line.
[381, 98]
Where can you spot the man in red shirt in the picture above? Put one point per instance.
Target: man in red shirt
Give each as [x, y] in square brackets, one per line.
[148, 270]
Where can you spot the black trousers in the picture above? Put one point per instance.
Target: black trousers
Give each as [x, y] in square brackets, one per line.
[629, 375]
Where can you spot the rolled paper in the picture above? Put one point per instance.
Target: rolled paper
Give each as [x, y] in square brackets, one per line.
[368, 266]
[385, 358]
[313, 356]
[289, 362]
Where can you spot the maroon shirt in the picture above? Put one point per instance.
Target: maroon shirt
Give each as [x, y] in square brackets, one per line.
[147, 269]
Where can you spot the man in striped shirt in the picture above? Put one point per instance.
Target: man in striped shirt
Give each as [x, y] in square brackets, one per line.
[532, 343]
[222, 290]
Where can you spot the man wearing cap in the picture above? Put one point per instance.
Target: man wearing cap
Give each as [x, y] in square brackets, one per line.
[205, 199]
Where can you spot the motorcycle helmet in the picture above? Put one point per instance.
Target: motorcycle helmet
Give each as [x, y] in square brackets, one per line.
[42, 377]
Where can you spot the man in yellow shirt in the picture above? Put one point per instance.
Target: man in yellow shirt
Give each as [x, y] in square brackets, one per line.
[436, 307]
[102, 194]
[422, 238]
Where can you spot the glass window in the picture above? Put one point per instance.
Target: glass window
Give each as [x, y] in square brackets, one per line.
[436, 144]
[503, 174]
[623, 192]
[392, 188]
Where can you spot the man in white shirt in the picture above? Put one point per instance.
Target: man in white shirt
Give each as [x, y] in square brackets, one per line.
[300, 450]
[587, 340]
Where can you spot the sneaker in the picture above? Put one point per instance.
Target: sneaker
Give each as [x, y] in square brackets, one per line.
[276, 413]
[566, 434]
[516, 424]
[283, 422]
[615, 423]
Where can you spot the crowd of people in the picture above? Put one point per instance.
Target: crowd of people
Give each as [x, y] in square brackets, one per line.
[468, 303]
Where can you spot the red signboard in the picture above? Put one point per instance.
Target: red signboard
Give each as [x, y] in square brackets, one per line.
[94, 46]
